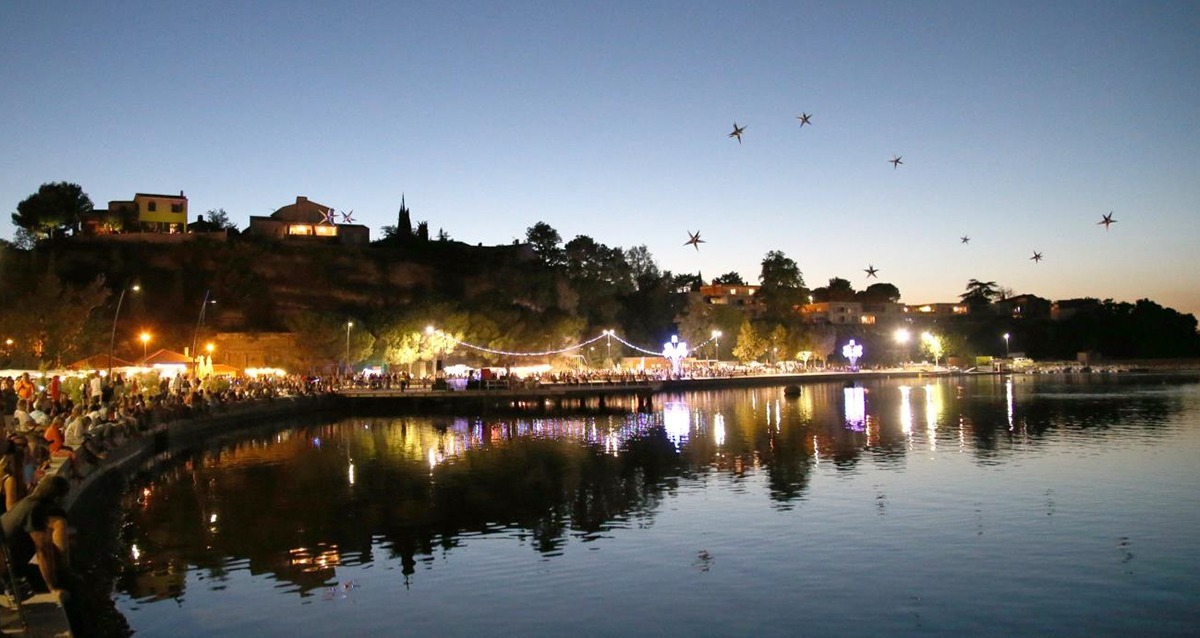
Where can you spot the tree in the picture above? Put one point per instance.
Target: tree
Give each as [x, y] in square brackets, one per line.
[838, 289]
[782, 286]
[779, 271]
[547, 243]
[729, 279]
[321, 340]
[880, 293]
[686, 283]
[979, 294]
[52, 326]
[641, 264]
[780, 343]
[219, 219]
[750, 344]
[601, 276]
[53, 211]
[700, 318]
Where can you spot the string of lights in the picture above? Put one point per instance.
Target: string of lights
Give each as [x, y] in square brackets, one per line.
[639, 349]
[561, 350]
[577, 346]
[523, 354]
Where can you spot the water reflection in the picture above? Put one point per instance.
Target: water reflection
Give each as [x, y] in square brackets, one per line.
[296, 505]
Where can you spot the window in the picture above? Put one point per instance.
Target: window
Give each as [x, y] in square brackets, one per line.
[176, 207]
[152, 206]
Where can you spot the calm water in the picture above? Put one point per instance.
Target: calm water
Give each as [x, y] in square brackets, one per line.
[989, 506]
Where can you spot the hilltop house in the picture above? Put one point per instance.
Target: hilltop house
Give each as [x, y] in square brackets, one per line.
[308, 220]
[145, 213]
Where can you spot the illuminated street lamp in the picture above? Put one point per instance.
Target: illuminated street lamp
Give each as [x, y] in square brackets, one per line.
[145, 339]
[1006, 345]
[200, 320]
[902, 337]
[349, 325]
[852, 351]
[113, 339]
[608, 347]
[675, 351]
[716, 335]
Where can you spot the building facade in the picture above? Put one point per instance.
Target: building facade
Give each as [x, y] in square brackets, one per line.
[310, 221]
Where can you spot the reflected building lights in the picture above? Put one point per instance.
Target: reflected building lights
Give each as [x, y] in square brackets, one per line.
[719, 429]
[1008, 399]
[676, 421]
[855, 399]
[933, 401]
[906, 413]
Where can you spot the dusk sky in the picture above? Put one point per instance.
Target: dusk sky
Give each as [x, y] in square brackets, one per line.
[1019, 125]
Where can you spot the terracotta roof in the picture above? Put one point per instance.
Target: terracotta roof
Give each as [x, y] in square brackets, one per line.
[99, 362]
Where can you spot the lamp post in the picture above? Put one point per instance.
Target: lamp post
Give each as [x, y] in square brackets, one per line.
[853, 351]
[145, 339]
[608, 347]
[716, 335]
[199, 320]
[1006, 345]
[902, 335]
[112, 341]
[349, 325]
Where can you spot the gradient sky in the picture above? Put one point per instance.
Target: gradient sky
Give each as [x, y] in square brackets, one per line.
[1020, 125]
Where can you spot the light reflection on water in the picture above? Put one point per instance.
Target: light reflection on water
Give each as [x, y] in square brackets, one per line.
[949, 507]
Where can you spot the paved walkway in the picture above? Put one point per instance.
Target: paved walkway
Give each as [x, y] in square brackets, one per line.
[44, 616]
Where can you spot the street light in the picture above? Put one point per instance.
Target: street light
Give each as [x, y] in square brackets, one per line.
[200, 320]
[1006, 345]
[608, 347]
[349, 325]
[902, 336]
[145, 338]
[112, 341]
[716, 335]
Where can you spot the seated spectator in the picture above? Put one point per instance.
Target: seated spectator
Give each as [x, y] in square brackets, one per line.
[22, 422]
[42, 517]
[12, 476]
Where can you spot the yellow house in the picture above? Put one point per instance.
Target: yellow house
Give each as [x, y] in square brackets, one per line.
[161, 213]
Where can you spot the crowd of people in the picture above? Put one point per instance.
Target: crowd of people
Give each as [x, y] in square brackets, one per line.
[54, 433]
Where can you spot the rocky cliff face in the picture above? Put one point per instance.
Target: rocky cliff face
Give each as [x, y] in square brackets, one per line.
[259, 284]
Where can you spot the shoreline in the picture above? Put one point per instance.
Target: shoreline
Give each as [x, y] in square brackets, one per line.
[46, 616]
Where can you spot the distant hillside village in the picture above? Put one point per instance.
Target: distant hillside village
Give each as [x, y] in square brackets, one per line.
[148, 215]
[306, 288]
